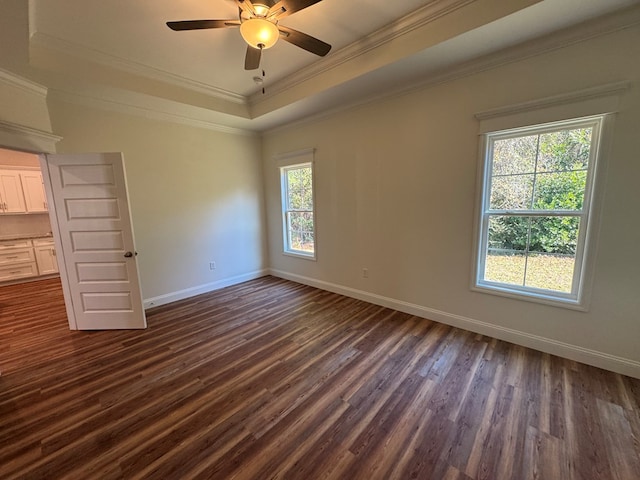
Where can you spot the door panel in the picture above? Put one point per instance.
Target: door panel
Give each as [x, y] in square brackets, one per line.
[91, 206]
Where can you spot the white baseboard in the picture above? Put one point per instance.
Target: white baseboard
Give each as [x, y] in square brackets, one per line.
[573, 352]
[199, 289]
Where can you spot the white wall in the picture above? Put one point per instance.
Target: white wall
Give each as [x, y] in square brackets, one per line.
[396, 189]
[196, 196]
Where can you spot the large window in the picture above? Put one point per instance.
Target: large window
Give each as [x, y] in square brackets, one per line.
[297, 209]
[536, 206]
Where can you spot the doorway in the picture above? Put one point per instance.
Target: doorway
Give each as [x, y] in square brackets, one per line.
[89, 219]
[26, 238]
[30, 278]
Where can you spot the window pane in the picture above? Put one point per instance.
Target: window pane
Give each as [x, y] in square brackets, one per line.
[515, 155]
[550, 272]
[552, 250]
[564, 150]
[557, 235]
[505, 261]
[508, 234]
[300, 189]
[511, 192]
[560, 191]
[537, 252]
[301, 231]
[504, 267]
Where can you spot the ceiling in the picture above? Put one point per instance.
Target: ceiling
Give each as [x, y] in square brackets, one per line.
[121, 52]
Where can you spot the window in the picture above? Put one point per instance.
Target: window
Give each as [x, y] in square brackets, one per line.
[297, 209]
[536, 205]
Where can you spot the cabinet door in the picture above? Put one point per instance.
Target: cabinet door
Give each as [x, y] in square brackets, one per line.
[11, 197]
[46, 258]
[34, 197]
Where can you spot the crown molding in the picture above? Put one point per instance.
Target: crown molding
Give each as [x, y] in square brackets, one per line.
[561, 99]
[582, 32]
[606, 25]
[150, 113]
[30, 139]
[426, 14]
[13, 80]
[50, 42]
[281, 157]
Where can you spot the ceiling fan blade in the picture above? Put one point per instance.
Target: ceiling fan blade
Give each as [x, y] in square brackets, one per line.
[302, 40]
[246, 6]
[284, 8]
[201, 24]
[252, 58]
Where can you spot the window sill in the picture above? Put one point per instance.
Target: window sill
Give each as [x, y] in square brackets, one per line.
[305, 256]
[534, 297]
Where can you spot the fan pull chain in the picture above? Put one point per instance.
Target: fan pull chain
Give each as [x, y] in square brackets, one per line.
[260, 81]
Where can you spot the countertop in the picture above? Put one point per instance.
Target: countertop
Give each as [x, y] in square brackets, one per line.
[26, 236]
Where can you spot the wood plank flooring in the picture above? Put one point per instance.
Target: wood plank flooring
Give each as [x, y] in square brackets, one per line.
[275, 380]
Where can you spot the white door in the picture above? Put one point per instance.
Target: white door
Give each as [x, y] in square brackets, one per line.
[98, 262]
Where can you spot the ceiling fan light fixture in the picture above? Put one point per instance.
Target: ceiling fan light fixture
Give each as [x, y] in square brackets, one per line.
[259, 33]
[260, 9]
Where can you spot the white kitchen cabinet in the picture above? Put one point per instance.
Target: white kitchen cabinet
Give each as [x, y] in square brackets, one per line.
[17, 272]
[34, 196]
[17, 260]
[45, 253]
[11, 195]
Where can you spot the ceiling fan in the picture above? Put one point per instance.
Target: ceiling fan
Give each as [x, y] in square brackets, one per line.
[258, 22]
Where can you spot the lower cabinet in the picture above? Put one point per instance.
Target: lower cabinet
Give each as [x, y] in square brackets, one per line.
[45, 257]
[17, 272]
[27, 258]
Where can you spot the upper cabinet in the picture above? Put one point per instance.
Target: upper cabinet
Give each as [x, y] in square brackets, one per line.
[34, 196]
[22, 191]
[11, 196]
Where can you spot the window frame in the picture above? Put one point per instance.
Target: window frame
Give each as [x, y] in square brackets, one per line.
[286, 232]
[578, 297]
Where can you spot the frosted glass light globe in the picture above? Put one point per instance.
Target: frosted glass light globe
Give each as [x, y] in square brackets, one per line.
[259, 33]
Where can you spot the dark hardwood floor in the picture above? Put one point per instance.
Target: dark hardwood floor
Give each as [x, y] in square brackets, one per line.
[275, 380]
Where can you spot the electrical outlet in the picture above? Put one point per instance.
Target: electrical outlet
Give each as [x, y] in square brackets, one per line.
[365, 273]
[212, 265]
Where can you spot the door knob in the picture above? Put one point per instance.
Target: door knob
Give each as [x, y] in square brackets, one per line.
[128, 255]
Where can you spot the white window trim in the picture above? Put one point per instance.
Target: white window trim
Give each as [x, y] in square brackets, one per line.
[285, 162]
[585, 255]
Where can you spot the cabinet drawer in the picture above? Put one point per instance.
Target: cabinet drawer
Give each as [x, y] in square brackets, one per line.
[37, 242]
[16, 256]
[19, 271]
[4, 244]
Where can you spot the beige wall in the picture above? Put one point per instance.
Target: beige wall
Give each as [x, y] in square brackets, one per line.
[196, 195]
[396, 191]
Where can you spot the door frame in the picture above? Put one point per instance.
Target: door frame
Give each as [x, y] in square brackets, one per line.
[57, 237]
[55, 230]
[57, 240]
[40, 143]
